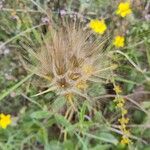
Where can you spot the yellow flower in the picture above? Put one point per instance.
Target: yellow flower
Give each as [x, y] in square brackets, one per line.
[119, 41]
[126, 132]
[124, 9]
[5, 120]
[124, 111]
[98, 26]
[120, 105]
[117, 89]
[125, 140]
[122, 127]
[123, 120]
[120, 99]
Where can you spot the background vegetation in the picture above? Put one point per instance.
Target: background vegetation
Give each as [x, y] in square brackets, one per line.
[39, 122]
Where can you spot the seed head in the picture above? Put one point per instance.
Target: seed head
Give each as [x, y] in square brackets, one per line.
[69, 58]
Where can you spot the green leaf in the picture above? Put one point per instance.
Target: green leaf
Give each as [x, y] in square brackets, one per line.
[62, 120]
[83, 142]
[96, 89]
[108, 137]
[58, 103]
[138, 116]
[54, 145]
[68, 145]
[104, 136]
[101, 147]
[147, 148]
[40, 114]
[6, 93]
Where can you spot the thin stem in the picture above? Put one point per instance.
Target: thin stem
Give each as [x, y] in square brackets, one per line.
[20, 34]
[20, 10]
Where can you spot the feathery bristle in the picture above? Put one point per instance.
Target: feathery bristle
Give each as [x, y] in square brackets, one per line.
[70, 58]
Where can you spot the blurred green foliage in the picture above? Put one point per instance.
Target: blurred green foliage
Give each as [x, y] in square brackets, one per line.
[36, 123]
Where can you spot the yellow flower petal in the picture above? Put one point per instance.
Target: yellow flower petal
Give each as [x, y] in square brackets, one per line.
[119, 41]
[124, 9]
[123, 120]
[125, 140]
[124, 111]
[117, 89]
[5, 120]
[98, 26]
[120, 105]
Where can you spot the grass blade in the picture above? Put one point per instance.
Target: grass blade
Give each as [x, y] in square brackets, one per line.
[3, 95]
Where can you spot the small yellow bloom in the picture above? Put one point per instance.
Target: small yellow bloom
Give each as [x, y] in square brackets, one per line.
[124, 9]
[124, 111]
[5, 120]
[119, 41]
[120, 105]
[117, 89]
[125, 140]
[98, 26]
[126, 132]
[122, 127]
[123, 120]
[119, 98]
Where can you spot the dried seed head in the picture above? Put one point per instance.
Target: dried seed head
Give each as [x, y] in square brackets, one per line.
[69, 58]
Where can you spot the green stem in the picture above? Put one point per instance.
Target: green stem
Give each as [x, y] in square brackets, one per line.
[3, 95]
